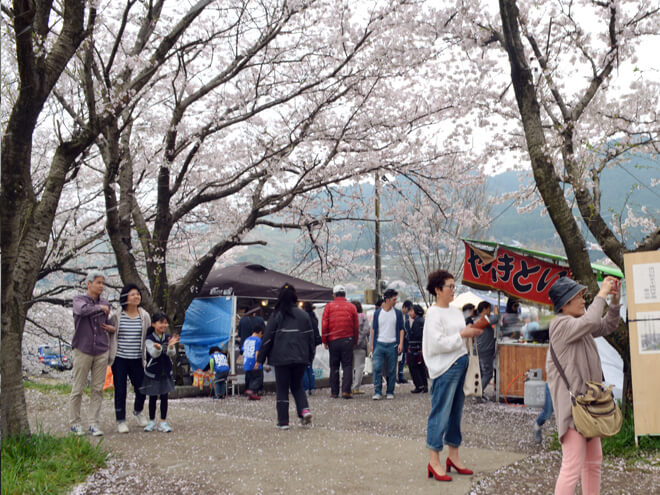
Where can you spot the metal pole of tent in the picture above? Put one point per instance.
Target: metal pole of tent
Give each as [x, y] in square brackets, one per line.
[232, 340]
[497, 353]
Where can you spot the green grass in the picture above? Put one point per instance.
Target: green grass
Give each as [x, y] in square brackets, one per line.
[47, 464]
[623, 443]
[60, 388]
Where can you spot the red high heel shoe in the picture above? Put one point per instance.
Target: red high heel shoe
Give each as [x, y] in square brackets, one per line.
[435, 475]
[450, 465]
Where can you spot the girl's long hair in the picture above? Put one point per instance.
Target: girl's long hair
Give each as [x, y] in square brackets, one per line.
[286, 300]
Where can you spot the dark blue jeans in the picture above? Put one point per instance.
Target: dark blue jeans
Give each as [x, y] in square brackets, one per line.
[308, 379]
[220, 383]
[123, 369]
[384, 353]
[447, 398]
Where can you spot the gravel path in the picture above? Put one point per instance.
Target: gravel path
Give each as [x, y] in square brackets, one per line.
[354, 447]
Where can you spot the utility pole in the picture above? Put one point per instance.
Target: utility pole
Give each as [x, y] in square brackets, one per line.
[379, 272]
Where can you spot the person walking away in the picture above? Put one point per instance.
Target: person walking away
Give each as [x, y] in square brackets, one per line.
[127, 353]
[445, 355]
[360, 351]
[416, 364]
[386, 343]
[308, 377]
[572, 334]
[158, 381]
[91, 352]
[543, 416]
[339, 334]
[254, 371]
[406, 309]
[288, 345]
[219, 363]
[486, 342]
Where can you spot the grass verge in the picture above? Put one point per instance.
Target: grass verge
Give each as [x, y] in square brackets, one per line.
[60, 388]
[47, 464]
[623, 443]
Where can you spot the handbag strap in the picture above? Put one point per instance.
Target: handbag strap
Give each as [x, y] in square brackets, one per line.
[561, 370]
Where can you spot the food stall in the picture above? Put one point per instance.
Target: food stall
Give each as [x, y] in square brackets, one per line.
[525, 275]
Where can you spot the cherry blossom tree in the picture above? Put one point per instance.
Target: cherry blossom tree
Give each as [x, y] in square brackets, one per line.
[281, 101]
[563, 90]
[44, 37]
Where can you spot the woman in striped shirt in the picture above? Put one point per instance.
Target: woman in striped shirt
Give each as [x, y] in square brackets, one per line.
[127, 356]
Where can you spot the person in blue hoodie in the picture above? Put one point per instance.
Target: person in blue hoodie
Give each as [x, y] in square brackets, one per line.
[386, 343]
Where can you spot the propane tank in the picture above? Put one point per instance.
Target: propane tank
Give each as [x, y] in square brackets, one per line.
[534, 388]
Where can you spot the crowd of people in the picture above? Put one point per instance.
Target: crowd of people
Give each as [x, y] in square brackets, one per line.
[139, 348]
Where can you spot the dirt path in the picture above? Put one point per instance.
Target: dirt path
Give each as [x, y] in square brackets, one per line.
[354, 447]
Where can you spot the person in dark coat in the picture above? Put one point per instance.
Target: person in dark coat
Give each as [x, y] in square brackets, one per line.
[289, 346]
[415, 359]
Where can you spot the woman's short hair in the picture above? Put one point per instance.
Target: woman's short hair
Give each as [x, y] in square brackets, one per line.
[437, 280]
[483, 305]
[358, 306]
[123, 295]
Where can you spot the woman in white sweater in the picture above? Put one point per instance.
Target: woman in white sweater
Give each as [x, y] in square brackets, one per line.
[445, 355]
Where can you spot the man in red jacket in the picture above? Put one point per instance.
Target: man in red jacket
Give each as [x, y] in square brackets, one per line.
[339, 333]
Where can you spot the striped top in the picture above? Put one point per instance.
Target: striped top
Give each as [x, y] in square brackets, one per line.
[129, 337]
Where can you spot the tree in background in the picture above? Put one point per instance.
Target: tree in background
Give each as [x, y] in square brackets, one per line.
[43, 39]
[279, 102]
[579, 104]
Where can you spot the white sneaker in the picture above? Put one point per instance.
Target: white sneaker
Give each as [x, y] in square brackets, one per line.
[282, 427]
[376, 397]
[139, 417]
[389, 396]
[122, 427]
[95, 431]
[164, 427]
[77, 430]
[151, 425]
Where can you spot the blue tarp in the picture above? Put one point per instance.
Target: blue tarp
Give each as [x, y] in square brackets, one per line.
[207, 323]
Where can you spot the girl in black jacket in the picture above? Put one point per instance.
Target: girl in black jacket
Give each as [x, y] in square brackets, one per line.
[289, 346]
[415, 359]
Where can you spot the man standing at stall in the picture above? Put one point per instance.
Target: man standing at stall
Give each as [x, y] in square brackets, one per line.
[339, 334]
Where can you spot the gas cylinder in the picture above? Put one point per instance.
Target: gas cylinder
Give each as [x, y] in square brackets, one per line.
[534, 388]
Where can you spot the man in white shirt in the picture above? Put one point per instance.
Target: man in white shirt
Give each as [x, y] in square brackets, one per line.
[386, 343]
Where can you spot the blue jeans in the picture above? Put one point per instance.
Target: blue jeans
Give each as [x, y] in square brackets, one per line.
[545, 414]
[384, 353]
[308, 379]
[447, 398]
[220, 383]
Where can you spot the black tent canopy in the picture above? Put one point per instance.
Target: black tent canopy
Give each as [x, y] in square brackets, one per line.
[250, 280]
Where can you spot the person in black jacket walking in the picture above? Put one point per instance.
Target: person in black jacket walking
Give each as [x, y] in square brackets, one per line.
[289, 346]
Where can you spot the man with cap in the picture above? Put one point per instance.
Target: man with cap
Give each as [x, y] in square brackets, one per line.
[386, 343]
[339, 334]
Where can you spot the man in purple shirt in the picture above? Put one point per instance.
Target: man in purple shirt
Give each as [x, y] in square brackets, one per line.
[90, 351]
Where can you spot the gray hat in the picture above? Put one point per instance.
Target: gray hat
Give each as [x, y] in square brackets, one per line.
[562, 291]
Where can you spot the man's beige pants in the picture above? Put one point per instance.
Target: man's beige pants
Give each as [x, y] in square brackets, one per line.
[82, 365]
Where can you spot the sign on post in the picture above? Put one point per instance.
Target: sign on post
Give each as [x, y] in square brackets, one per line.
[643, 296]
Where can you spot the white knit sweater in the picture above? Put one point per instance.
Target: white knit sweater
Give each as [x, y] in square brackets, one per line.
[442, 344]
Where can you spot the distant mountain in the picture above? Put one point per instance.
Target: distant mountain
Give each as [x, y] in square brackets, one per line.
[619, 187]
[532, 230]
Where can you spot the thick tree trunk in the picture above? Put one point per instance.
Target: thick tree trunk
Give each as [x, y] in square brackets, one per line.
[548, 182]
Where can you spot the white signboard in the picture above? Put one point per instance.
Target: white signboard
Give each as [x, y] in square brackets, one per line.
[646, 277]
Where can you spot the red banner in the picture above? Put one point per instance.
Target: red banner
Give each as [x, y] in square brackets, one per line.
[517, 275]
